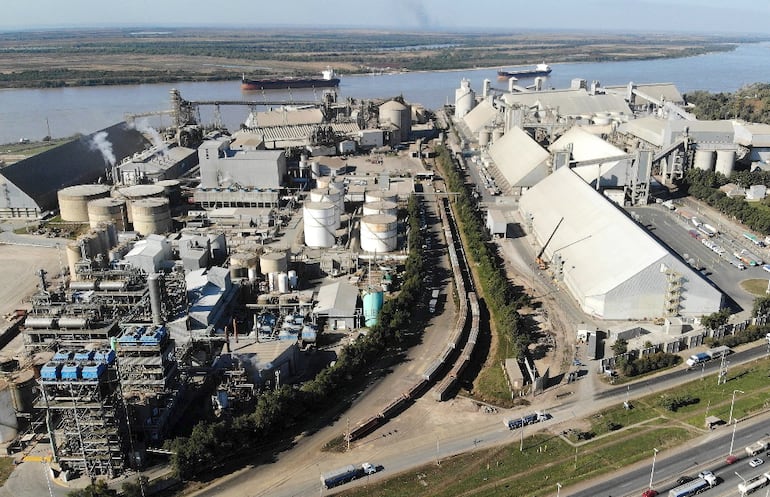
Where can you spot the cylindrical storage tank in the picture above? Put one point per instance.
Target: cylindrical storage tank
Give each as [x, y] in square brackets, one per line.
[497, 133]
[40, 322]
[82, 286]
[108, 210]
[138, 192]
[273, 262]
[240, 262]
[113, 285]
[484, 136]
[400, 116]
[320, 219]
[151, 216]
[376, 195]
[283, 283]
[381, 207]
[725, 162]
[379, 233]
[704, 160]
[251, 273]
[271, 281]
[293, 279]
[73, 201]
[372, 304]
[331, 195]
[73, 257]
[9, 424]
[23, 390]
[465, 98]
[153, 282]
[172, 190]
[315, 170]
[73, 323]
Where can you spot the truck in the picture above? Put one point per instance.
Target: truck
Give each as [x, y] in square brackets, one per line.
[698, 359]
[718, 352]
[346, 474]
[752, 484]
[432, 305]
[754, 239]
[693, 487]
[527, 419]
[757, 447]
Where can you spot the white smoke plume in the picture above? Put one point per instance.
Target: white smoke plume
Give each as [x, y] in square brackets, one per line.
[144, 127]
[102, 144]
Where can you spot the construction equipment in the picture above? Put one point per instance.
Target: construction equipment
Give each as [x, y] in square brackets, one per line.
[539, 258]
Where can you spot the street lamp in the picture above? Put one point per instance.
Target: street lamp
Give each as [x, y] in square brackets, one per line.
[558, 489]
[739, 476]
[732, 404]
[732, 440]
[652, 471]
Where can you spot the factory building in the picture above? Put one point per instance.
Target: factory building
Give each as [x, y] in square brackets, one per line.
[155, 164]
[29, 187]
[580, 146]
[580, 104]
[611, 266]
[224, 167]
[519, 158]
[337, 302]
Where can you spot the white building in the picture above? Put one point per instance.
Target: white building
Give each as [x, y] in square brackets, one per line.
[222, 166]
[610, 265]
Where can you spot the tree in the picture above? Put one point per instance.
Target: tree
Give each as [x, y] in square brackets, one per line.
[716, 319]
[620, 346]
[761, 306]
[98, 489]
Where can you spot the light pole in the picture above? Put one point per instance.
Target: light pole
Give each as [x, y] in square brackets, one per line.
[558, 489]
[652, 471]
[732, 440]
[732, 404]
[739, 476]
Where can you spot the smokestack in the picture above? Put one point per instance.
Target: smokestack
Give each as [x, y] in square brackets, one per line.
[156, 308]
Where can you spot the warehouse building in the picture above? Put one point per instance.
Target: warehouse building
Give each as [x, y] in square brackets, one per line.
[224, 167]
[519, 158]
[610, 265]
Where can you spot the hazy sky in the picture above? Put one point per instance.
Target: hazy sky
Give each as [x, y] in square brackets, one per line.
[717, 16]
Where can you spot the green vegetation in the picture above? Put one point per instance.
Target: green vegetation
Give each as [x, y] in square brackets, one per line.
[278, 413]
[6, 468]
[751, 103]
[755, 286]
[98, 489]
[647, 363]
[501, 298]
[716, 319]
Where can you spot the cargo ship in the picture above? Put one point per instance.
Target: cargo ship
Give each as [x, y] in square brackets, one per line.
[328, 80]
[539, 70]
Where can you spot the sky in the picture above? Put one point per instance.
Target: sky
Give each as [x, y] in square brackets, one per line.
[682, 16]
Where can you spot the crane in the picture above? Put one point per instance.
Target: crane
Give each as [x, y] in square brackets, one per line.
[539, 259]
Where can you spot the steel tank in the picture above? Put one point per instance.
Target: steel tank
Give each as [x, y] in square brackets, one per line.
[273, 262]
[108, 210]
[379, 233]
[704, 160]
[381, 207]
[151, 216]
[375, 195]
[725, 162]
[320, 223]
[333, 196]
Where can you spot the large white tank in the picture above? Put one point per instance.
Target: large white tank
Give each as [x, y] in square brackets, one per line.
[293, 279]
[272, 262]
[73, 256]
[172, 190]
[381, 207]
[704, 160]
[379, 233]
[320, 219]
[108, 210]
[400, 116]
[484, 136]
[73, 201]
[151, 216]
[241, 262]
[725, 162]
[283, 283]
[138, 192]
[331, 195]
[376, 195]
[465, 99]
[315, 170]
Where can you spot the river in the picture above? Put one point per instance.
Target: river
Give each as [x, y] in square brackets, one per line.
[30, 113]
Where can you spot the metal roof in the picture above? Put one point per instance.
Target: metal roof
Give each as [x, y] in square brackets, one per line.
[481, 115]
[520, 159]
[337, 298]
[570, 102]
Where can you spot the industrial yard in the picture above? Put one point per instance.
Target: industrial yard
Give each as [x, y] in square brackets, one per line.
[368, 279]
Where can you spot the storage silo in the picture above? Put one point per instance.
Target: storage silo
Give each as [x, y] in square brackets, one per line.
[320, 220]
[283, 282]
[273, 262]
[465, 99]
[373, 300]
[725, 162]
[315, 170]
[376, 195]
[172, 190]
[379, 233]
[73, 201]
[151, 216]
[484, 136]
[23, 391]
[137, 192]
[108, 210]
[398, 114]
[73, 257]
[240, 262]
[9, 424]
[704, 160]
[331, 195]
[381, 207]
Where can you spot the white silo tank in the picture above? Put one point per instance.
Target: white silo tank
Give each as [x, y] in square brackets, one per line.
[331, 195]
[484, 136]
[315, 169]
[108, 210]
[379, 233]
[512, 83]
[272, 279]
[485, 88]
[376, 195]
[381, 207]
[73, 201]
[465, 99]
[134, 193]
[293, 279]
[320, 220]
[73, 257]
[151, 216]
[398, 114]
[725, 162]
[704, 160]
[283, 283]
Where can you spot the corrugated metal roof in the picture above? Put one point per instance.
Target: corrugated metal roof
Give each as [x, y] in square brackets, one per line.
[752, 134]
[481, 115]
[650, 129]
[585, 146]
[660, 91]
[284, 117]
[520, 159]
[339, 297]
[570, 102]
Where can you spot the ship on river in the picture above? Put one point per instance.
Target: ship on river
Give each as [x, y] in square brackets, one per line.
[328, 80]
[539, 70]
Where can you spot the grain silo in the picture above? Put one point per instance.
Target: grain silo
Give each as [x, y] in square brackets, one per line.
[704, 159]
[400, 116]
[381, 207]
[331, 195]
[378, 195]
[379, 233]
[73, 201]
[138, 192]
[151, 216]
[725, 162]
[108, 210]
[273, 262]
[465, 99]
[321, 221]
